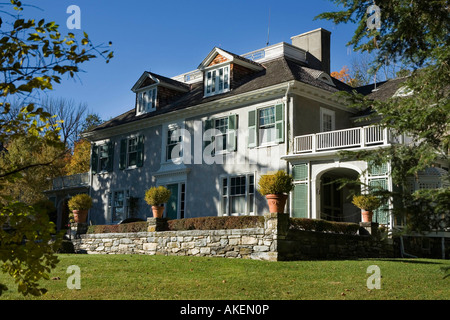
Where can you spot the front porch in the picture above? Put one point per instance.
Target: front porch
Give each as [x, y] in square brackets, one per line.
[318, 172]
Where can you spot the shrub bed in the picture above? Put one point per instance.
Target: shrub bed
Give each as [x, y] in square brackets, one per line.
[119, 228]
[202, 223]
[216, 223]
[323, 226]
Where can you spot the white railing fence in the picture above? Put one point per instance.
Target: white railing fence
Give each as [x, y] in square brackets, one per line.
[337, 139]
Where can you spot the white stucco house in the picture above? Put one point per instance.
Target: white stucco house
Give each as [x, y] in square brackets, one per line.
[210, 133]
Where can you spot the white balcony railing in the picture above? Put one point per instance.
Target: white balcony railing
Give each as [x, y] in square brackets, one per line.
[72, 181]
[341, 139]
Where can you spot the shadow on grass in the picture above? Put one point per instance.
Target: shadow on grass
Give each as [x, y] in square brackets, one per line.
[412, 260]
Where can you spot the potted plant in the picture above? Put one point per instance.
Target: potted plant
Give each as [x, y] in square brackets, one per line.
[276, 187]
[79, 205]
[156, 197]
[367, 203]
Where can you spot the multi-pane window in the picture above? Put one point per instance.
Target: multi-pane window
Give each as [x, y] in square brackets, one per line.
[267, 131]
[117, 205]
[132, 151]
[103, 157]
[220, 139]
[327, 118]
[238, 195]
[146, 101]
[171, 143]
[217, 81]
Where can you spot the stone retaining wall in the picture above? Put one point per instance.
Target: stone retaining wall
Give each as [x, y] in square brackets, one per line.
[273, 242]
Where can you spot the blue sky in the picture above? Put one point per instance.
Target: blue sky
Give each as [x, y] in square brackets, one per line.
[172, 37]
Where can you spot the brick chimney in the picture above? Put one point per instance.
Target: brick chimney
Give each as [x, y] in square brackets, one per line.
[316, 43]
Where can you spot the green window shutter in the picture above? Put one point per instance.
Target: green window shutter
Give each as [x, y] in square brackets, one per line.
[252, 129]
[300, 172]
[94, 159]
[380, 215]
[231, 134]
[300, 203]
[140, 152]
[279, 123]
[123, 154]
[110, 156]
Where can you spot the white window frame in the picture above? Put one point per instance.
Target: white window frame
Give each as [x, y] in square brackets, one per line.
[146, 100]
[269, 129]
[226, 195]
[165, 136]
[111, 203]
[327, 112]
[136, 138]
[215, 82]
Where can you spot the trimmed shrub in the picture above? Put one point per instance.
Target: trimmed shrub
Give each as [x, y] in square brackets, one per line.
[319, 225]
[216, 223]
[140, 226]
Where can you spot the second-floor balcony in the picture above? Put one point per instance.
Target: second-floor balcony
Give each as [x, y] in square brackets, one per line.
[360, 137]
[73, 181]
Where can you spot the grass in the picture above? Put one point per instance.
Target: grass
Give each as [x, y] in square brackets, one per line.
[142, 277]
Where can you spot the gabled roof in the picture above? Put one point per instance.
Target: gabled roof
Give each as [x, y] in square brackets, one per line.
[230, 57]
[382, 90]
[149, 78]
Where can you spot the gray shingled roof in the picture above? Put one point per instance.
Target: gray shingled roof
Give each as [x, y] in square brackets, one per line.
[275, 72]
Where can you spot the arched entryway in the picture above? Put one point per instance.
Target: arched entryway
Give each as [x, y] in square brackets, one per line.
[63, 213]
[331, 200]
[336, 196]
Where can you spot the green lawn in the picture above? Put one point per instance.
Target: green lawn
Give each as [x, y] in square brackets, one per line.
[138, 277]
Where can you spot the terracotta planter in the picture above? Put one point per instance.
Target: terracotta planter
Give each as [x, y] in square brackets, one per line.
[158, 211]
[366, 216]
[276, 202]
[80, 216]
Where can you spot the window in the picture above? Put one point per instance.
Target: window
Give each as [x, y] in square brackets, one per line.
[238, 195]
[172, 143]
[102, 158]
[131, 152]
[226, 139]
[118, 205]
[327, 120]
[146, 101]
[266, 126]
[217, 81]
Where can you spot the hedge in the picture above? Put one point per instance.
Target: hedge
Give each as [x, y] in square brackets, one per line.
[202, 223]
[323, 226]
[216, 223]
[119, 228]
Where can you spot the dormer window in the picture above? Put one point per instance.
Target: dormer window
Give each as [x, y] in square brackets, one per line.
[217, 80]
[146, 101]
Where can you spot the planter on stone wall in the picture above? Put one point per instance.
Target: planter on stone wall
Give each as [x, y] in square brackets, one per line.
[276, 202]
[79, 205]
[367, 203]
[156, 197]
[80, 216]
[276, 187]
[158, 211]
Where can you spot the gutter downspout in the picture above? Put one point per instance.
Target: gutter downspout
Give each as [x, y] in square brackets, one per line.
[286, 137]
